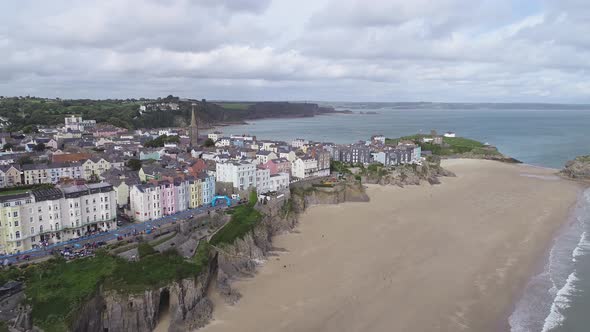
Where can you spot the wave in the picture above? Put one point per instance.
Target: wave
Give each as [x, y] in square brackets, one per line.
[582, 247]
[560, 303]
[549, 293]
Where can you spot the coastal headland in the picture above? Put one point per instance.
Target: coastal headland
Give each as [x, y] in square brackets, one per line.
[450, 257]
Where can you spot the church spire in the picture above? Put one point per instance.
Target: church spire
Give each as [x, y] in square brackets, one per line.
[193, 129]
[193, 117]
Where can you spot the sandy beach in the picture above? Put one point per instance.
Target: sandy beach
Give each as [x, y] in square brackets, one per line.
[451, 257]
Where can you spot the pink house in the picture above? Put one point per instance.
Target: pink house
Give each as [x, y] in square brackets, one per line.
[167, 197]
[279, 165]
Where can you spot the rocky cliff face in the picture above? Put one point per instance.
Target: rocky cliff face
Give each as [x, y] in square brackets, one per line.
[186, 300]
[578, 168]
[241, 258]
[430, 171]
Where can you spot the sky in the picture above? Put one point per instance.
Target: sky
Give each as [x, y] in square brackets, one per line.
[321, 50]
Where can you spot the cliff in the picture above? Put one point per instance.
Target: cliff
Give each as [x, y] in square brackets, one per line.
[430, 171]
[241, 258]
[579, 168]
[185, 300]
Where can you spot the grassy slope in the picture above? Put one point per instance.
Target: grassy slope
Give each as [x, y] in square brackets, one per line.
[243, 219]
[452, 145]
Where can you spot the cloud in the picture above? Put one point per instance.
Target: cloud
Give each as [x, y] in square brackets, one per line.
[490, 50]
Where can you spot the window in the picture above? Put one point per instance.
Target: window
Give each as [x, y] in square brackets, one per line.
[15, 214]
[56, 226]
[40, 218]
[16, 223]
[41, 229]
[32, 230]
[33, 239]
[39, 209]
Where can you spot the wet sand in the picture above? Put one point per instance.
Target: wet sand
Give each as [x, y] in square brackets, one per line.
[452, 257]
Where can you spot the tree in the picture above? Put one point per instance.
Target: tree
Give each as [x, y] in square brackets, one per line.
[40, 147]
[134, 164]
[25, 160]
[94, 178]
[8, 146]
[209, 143]
[253, 198]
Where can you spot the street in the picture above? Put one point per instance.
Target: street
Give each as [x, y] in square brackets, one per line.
[113, 234]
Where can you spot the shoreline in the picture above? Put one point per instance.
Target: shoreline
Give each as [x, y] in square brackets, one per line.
[544, 257]
[468, 311]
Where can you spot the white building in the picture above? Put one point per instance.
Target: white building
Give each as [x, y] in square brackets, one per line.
[241, 174]
[214, 136]
[55, 215]
[298, 143]
[450, 134]
[76, 123]
[304, 167]
[263, 180]
[279, 181]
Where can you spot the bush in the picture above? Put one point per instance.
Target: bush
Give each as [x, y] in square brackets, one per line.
[145, 249]
[243, 219]
[253, 198]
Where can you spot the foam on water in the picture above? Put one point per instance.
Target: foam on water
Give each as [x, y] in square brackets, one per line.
[560, 303]
[549, 293]
[582, 248]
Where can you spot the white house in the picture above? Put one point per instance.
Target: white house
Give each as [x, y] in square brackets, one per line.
[214, 136]
[262, 180]
[279, 181]
[304, 167]
[450, 134]
[241, 174]
[298, 143]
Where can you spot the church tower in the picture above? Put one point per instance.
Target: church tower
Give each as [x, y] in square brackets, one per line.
[193, 129]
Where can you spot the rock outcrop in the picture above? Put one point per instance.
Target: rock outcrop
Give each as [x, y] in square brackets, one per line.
[578, 168]
[241, 258]
[186, 300]
[430, 171]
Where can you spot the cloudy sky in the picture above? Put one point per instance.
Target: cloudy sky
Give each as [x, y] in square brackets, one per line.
[347, 50]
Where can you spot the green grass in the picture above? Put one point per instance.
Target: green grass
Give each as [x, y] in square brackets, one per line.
[451, 146]
[235, 106]
[24, 189]
[56, 289]
[13, 192]
[243, 219]
[153, 271]
[201, 257]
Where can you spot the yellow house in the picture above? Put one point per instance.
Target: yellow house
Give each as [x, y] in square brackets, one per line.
[12, 176]
[11, 232]
[196, 193]
[95, 166]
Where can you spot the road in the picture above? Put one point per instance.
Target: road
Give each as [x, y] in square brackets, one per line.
[113, 234]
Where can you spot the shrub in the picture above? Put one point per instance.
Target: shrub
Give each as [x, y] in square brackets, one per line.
[145, 249]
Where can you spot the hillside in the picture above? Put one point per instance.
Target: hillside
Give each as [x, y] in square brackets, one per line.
[455, 147]
[23, 113]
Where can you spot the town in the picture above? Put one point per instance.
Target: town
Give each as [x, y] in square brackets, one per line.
[67, 182]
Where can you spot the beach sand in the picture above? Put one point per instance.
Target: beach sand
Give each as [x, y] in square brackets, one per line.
[450, 257]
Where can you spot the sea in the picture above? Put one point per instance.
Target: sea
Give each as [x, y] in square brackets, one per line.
[557, 298]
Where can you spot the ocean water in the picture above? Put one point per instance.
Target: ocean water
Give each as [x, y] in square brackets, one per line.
[539, 137]
[558, 298]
